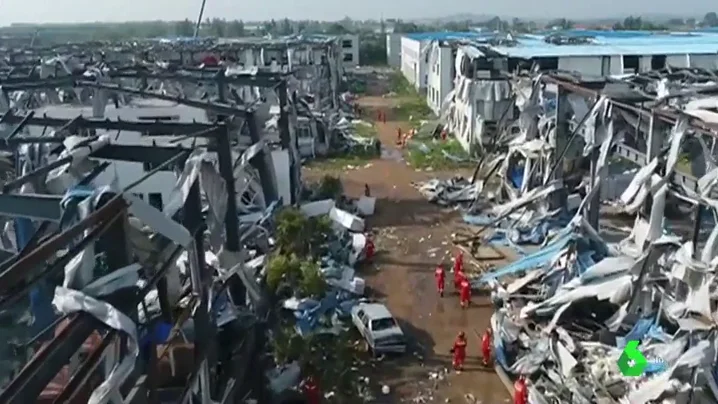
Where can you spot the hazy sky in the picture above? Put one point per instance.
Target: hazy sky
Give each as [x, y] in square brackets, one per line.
[124, 10]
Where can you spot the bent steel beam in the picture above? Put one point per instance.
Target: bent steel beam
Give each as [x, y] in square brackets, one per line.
[179, 128]
[225, 109]
[31, 206]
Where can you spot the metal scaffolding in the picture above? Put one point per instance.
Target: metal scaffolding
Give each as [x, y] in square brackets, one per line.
[221, 371]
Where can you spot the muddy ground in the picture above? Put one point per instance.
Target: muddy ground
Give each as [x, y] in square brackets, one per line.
[413, 236]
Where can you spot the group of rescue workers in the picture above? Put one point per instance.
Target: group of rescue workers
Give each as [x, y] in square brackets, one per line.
[462, 285]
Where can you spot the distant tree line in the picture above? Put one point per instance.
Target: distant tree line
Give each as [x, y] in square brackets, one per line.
[372, 33]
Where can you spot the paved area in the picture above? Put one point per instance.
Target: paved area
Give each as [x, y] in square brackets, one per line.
[412, 237]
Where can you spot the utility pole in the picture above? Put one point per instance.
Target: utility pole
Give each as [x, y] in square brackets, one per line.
[199, 20]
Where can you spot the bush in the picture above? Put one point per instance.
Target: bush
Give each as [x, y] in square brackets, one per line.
[312, 283]
[283, 268]
[300, 235]
[329, 187]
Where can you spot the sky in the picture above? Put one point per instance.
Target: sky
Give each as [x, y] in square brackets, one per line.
[37, 11]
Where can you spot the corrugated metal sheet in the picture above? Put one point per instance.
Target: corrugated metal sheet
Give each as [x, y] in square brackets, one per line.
[548, 50]
[607, 43]
[441, 36]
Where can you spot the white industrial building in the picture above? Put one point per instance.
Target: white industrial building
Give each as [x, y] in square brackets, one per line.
[415, 55]
[350, 50]
[465, 73]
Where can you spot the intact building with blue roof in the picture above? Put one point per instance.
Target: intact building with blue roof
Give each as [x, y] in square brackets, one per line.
[430, 61]
[414, 58]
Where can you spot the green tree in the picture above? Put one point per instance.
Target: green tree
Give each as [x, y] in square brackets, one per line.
[312, 282]
[286, 27]
[406, 27]
[372, 51]
[218, 27]
[184, 28]
[710, 20]
[235, 28]
[336, 29]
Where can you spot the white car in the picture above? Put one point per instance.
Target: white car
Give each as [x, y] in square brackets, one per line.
[379, 328]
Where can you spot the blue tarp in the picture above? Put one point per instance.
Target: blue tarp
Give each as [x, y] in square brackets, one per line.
[637, 333]
[534, 260]
[516, 176]
[310, 311]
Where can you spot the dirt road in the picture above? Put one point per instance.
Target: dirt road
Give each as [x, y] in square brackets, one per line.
[412, 237]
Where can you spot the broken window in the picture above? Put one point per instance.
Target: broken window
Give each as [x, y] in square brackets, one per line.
[630, 63]
[138, 195]
[546, 64]
[348, 57]
[155, 199]
[347, 43]
[658, 62]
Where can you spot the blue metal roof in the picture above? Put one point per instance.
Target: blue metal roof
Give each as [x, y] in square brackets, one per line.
[607, 43]
[439, 36]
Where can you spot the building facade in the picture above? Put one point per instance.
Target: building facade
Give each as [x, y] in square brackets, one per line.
[350, 50]
[393, 50]
[415, 54]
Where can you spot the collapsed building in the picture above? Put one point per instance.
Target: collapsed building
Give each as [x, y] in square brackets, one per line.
[578, 292]
[142, 179]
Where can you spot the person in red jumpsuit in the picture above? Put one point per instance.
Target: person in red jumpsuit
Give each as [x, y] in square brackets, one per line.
[486, 346]
[459, 262]
[440, 275]
[465, 293]
[369, 249]
[311, 391]
[521, 393]
[458, 277]
[459, 351]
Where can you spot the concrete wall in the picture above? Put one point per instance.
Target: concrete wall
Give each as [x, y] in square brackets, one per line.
[614, 65]
[413, 63]
[589, 65]
[350, 50]
[709, 61]
[393, 50]
[440, 78]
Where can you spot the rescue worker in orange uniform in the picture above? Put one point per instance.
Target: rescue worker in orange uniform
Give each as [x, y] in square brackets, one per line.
[440, 275]
[369, 249]
[459, 262]
[459, 351]
[486, 346]
[458, 277]
[465, 293]
[521, 393]
[311, 391]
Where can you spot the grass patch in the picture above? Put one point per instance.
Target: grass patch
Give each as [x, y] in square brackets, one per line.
[413, 107]
[435, 157]
[409, 102]
[338, 163]
[400, 85]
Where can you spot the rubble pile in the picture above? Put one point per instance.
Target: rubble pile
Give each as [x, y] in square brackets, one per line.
[588, 321]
